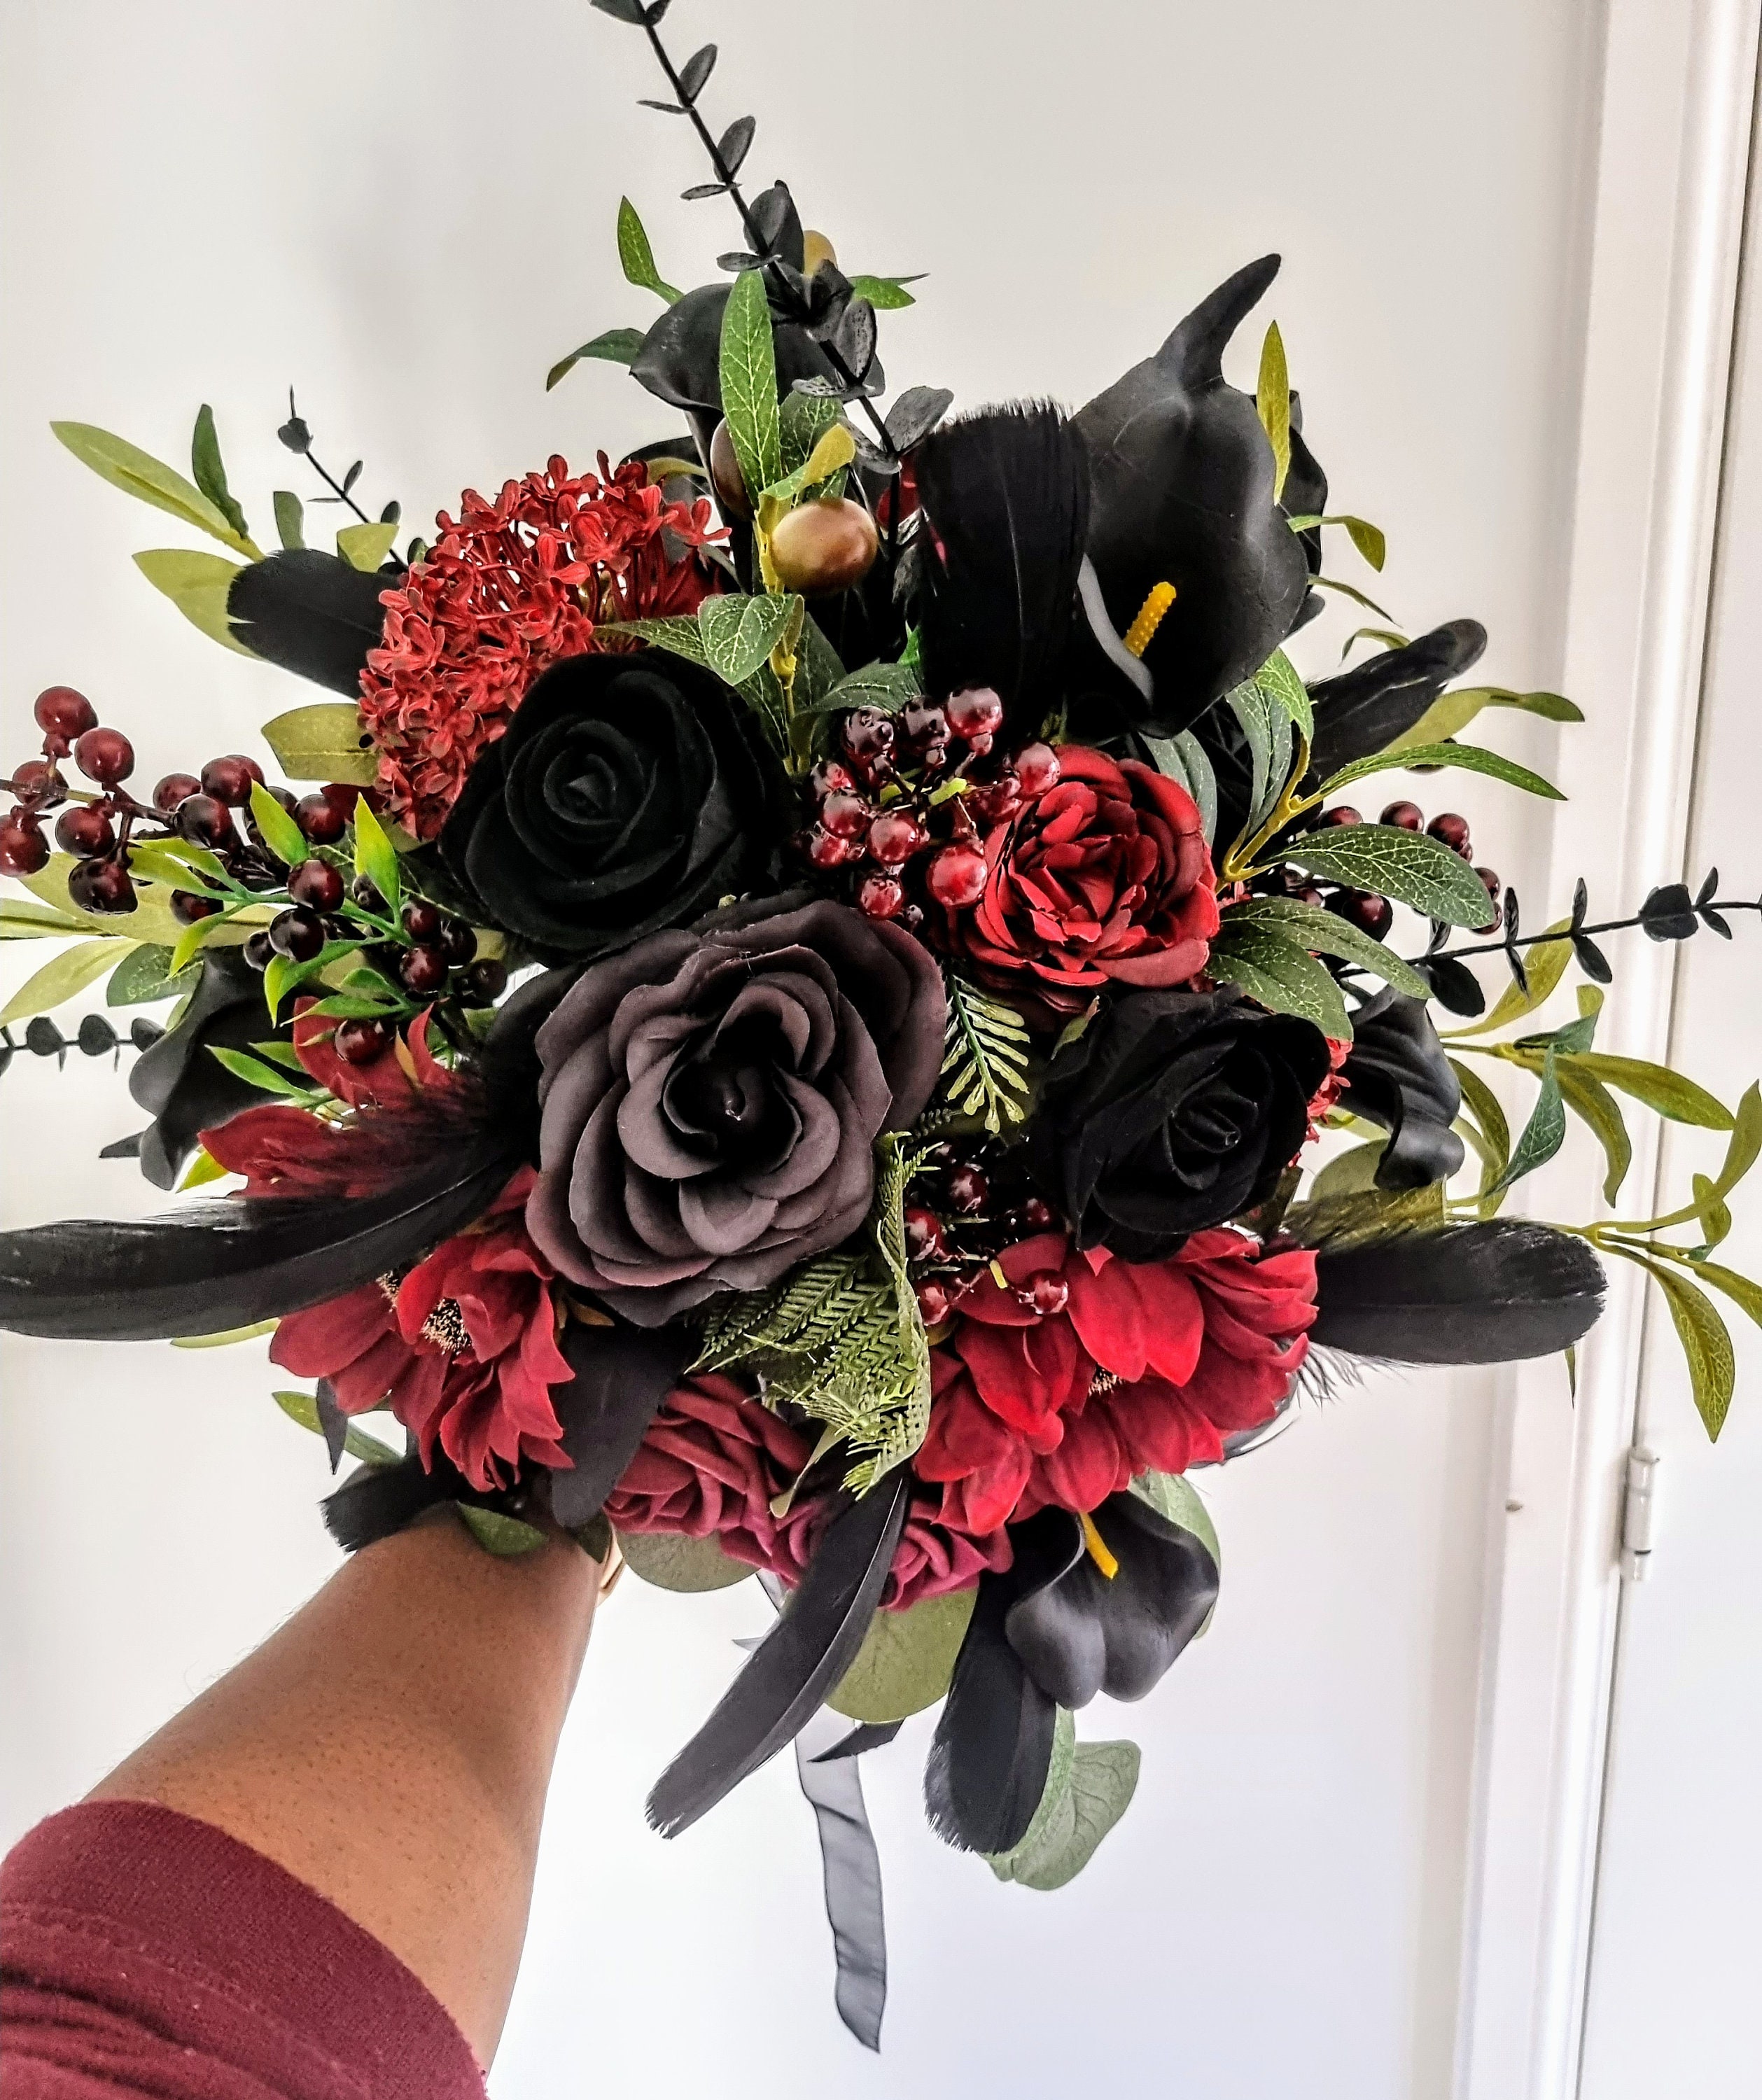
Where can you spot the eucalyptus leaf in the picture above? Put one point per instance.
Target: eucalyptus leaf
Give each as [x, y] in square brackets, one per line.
[324, 741]
[1281, 975]
[915, 413]
[747, 362]
[1089, 1788]
[611, 347]
[905, 1659]
[506, 1537]
[302, 1408]
[1406, 865]
[127, 467]
[1469, 757]
[196, 584]
[64, 977]
[638, 257]
[670, 1560]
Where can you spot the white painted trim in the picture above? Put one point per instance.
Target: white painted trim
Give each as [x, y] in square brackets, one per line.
[1678, 95]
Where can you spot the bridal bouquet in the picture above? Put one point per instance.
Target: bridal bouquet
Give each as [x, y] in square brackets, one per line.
[793, 1017]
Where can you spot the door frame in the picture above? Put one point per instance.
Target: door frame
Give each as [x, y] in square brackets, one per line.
[1668, 172]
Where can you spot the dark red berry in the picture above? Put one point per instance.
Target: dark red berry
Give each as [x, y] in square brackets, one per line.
[316, 884]
[174, 788]
[187, 907]
[22, 848]
[893, 837]
[1404, 816]
[230, 780]
[981, 746]
[846, 816]
[1037, 769]
[1489, 878]
[36, 776]
[826, 851]
[423, 970]
[1047, 1293]
[956, 877]
[1451, 830]
[84, 832]
[1363, 908]
[967, 1188]
[924, 724]
[934, 1303]
[207, 823]
[105, 756]
[867, 733]
[296, 935]
[976, 711]
[830, 778]
[258, 948]
[1343, 812]
[998, 801]
[343, 795]
[363, 893]
[923, 1236]
[458, 942]
[487, 979]
[60, 712]
[880, 897]
[1036, 1214]
[421, 919]
[101, 885]
[320, 820]
[359, 1041]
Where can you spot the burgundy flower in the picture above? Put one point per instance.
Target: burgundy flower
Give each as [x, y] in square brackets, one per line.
[1146, 1369]
[714, 1461]
[712, 1099]
[1104, 879]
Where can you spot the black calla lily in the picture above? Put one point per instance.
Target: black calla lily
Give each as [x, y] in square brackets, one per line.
[1365, 709]
[1397, 1074]
[188, 1091]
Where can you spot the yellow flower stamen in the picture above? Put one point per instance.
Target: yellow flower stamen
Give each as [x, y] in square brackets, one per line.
[1097, 1546]
[1138, 634]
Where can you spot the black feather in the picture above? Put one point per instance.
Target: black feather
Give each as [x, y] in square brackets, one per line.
[1488, 1293]
[376, 1501]
[1007, 494]
[622, 1374]
[814, 1643]
[993, 1745]
[311, 613]
[1365, 709]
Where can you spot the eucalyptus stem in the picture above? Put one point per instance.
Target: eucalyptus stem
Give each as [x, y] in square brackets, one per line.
[1606, 926]
[330, 481]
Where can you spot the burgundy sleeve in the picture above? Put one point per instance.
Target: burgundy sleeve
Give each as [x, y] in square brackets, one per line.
[143, 1952]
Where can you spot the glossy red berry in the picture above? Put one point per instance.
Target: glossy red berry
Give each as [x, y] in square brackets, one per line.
[84, 832]
[924, 724]
[868, 734]
[1037, 769]
[297, 934]
[458, 942]
[487, 980]
[924, 1236]
[187, 907]
[1404, 816]
[998, 801]
[230, 780]
[316, 884]
[1046, 1294]
[827, 851]
[60, 712]
[1342, 812]
[956, 877]
[1490, 881]
[36, 776]
[361, 1041]
[976, 711]
[830, 778]
[893, 837]
[880, 897]
[320, 819]
[1450, 830]
[105, 756]
[22, 848]
[174, 788]
[1037, 1214]
[969, 1188]
[423, 970]
[201, 818]
[846, 816]
[101, 885]
[934, 1302]
[363, 893]
[343, 795]
[421, 919]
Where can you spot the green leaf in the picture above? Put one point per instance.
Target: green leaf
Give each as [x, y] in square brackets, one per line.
[802, 420]
[210, 473]
[885, 687]
[885, 294]
[615, 346]
[140, 978]
[1712, 1211]
[1262, 719]
[833, 452]
[225, 1341]
[1746, 1145]
[365, 546]
[376, 858]
[1484, 1106]
[1278, 678]
[127, 467]
[346, 1006]
[1386, 635]
[281, 835]
[748, 368]
[290, 519]
[62, 977]
[1745, 1295]
[1453, 711]
[255, 1073]
[1406, 865]
[740, 632]
[1272, 398]
[1349, 1173]
[155, 860]
[1310, 927]
[671, 1561]
[1367, 538]
[284, 974]
[35, 922]
[1470, 757]
[905, 1659]
[283, 1054]
[1543, 1135]
[1185, 760]
[985, 1057]
[506, 1537]
[1598, 1110]
[681, 635]
[193, 939]
[1666, 1093]
[1171, 1495]
[1351, 591]
[302, 1408]
[638, 257]
[1544, 965]
[1089, 1788]
[197, 585]
[1360, 1217]
[1706, 1342]
[1281, 975]
[324, 741]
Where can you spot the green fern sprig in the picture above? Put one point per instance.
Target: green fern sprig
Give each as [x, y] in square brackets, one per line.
[985, 1062]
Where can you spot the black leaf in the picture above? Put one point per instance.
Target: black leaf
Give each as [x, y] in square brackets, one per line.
[778, 225]
[915, 414]
[1520, 972]
[392, 513]
[623, 11]
[352, 476]
[96, 1038]
[666, 109]
[1510, 916]
[738, 259]
[143, 1033]
[1668, 913]
[1704, 894]
[310, 612]
[332, 1421]
[1717, 920]
[1581, 903]
[865, 1736]
[42, 1039]
[656, 9]
[695, 71]
[854, 338]
[732, 146]
[1453, 985]
[872, 458]
[621, 1376]
[702, 190]
[124, 1148]
[1592, 960]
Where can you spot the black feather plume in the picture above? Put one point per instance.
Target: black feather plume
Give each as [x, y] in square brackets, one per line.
[622, 1374]
[376, 1501]
[1488, 1293]
[813, 1643]
[1006, 492]
[993, 1746]
[311, 613]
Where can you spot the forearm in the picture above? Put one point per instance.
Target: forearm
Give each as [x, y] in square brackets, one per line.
[391, 1744]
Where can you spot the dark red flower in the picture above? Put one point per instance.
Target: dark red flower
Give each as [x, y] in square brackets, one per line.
[714, 1462]
[508, 588]
[1104, 879]
[1146, 1369]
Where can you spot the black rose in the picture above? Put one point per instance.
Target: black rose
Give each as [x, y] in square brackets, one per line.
[630, 794]
[188, 1090]
[1173, 1111]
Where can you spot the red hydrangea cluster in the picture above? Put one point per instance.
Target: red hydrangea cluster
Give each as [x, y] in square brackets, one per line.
[508, 588]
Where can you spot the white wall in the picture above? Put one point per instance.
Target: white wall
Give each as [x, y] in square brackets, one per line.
[407, 210]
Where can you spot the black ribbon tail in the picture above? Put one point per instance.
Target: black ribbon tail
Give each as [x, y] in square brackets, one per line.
[852, 1869]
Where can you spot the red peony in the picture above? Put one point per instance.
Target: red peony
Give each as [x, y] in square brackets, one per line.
[715, 1460]
[465, 1348]
[1104, 879]
[507, 589]
[1145, 1369]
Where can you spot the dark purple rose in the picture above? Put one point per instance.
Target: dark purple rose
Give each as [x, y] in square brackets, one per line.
[711, 1099]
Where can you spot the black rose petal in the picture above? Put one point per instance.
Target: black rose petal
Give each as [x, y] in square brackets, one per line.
[629, 794]
[186, 1090]
[1397, 1074]
[1171, 1112]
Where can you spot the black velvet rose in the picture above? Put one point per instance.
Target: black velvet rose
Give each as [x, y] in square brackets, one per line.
[711, 1100]
[1171, 1112]
[629, 793]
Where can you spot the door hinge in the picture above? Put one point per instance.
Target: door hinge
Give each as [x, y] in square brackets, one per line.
[1636, 1506]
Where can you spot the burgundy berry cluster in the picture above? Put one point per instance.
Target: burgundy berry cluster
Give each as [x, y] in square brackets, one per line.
[906, 801]
[974, 1201]
[93, 828]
